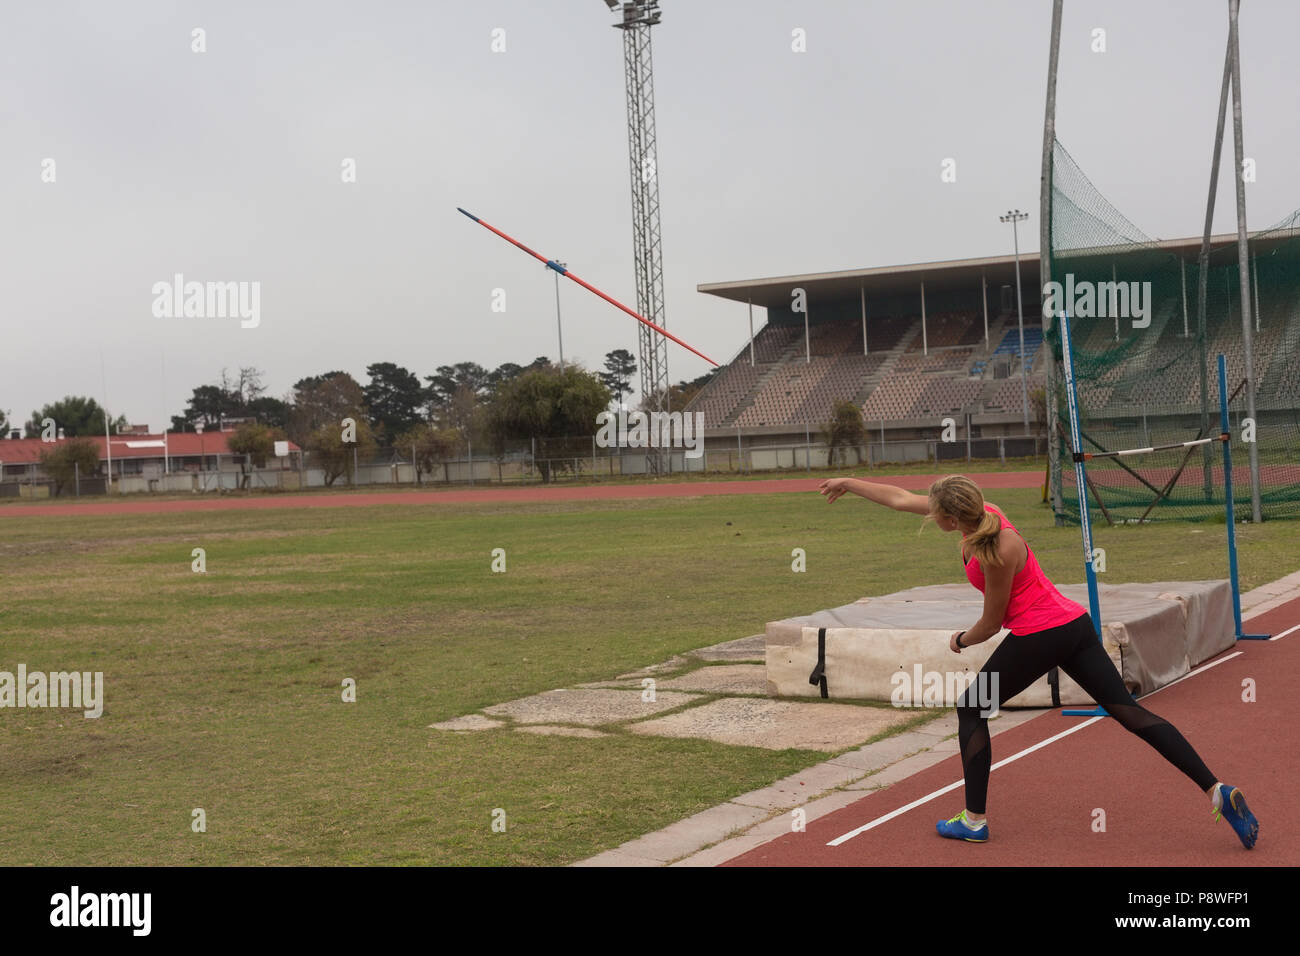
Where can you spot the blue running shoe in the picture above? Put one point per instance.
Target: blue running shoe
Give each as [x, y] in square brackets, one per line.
[1235, 811]
[959, 829]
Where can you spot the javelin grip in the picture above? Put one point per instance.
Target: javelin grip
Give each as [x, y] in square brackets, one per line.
[552, 264]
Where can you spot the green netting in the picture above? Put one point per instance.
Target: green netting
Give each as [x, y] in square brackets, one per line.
[1149, 375]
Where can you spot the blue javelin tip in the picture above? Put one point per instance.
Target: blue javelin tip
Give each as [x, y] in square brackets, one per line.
[470, 214]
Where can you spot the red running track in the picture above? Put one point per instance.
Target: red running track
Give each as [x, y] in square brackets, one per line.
[1040, 807]
[677, 489]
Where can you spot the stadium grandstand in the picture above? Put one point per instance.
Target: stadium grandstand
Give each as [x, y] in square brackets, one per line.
[911, 345]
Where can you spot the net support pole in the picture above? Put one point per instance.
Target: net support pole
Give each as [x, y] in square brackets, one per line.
[1045, 255]
[1081, 482]
[1203, 278]
[1243, 254]
[1227, 496]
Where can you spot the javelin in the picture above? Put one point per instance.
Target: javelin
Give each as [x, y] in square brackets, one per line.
[552, 264]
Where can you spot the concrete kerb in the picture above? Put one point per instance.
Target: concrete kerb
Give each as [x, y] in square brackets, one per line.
[1270, 595]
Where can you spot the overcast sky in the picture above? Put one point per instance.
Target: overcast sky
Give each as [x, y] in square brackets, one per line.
[226, 165]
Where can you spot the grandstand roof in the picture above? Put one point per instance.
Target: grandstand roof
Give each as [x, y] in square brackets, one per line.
[943, 274]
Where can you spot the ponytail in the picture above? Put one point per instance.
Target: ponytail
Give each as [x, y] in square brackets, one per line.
[983, 541]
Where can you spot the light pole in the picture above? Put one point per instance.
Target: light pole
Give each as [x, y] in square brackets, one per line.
[1014, 216]
[203, 485]
[558, 328]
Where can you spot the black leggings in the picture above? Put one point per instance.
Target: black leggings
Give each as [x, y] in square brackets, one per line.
[1020, 660]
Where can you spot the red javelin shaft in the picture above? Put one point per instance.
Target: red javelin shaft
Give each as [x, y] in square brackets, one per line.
[552, 264]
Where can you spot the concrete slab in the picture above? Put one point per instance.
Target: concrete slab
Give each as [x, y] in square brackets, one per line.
[727, 850]
[902, 770]
[784, 822]
[882, 753]
[774, 724]
[744, 649]
[721, 679]
[468, 722]
[616, 858]
[695, 832]
[589, 707]
[798, 789]
[551, 730]
[939, 727]
[673, 663]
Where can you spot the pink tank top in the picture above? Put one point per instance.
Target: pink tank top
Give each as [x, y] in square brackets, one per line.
[1035, 604]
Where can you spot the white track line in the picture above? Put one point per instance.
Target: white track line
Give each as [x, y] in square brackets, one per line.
[953, 786]
[1289, 630]
[1028, 750]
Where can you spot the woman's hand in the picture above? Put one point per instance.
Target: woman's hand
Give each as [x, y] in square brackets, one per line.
[832, 488]
[952, 642]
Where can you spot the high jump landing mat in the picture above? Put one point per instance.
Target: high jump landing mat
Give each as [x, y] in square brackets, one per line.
[1154, 633]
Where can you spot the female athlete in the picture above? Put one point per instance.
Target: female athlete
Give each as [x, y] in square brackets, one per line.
[1047, 630]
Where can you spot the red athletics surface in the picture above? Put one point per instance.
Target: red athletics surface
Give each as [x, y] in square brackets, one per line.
[1040, 807]
[489, 495]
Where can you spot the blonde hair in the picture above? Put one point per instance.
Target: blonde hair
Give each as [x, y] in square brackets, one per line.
[958, 497]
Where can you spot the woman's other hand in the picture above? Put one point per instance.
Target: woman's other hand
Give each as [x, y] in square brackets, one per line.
[832, 488]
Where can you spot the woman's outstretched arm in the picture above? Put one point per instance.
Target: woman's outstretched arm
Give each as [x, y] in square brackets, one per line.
[887, 495]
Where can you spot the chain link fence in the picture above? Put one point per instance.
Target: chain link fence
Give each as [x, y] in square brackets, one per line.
[541, 461]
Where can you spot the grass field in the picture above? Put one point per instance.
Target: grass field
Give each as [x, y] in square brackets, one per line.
[224, 689]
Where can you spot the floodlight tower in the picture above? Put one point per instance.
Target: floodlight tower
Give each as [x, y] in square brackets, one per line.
[638, 17]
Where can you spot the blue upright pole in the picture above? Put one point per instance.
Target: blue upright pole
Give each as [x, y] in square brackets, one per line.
[1227, 493]
[1081, 482]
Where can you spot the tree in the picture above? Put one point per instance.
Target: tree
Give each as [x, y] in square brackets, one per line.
[66, 460]
[620, 366]
[500, 375]
[336, 456]
[1038, 408]
[548, 403]
[430, 447]
[679, 395]
[325, 400]
[4, 424]
[256, 442]
[272, 412]
[245, 388]
[394, 397]
[845, 430]
[453, 392]
[234, 396]
[77, 415]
